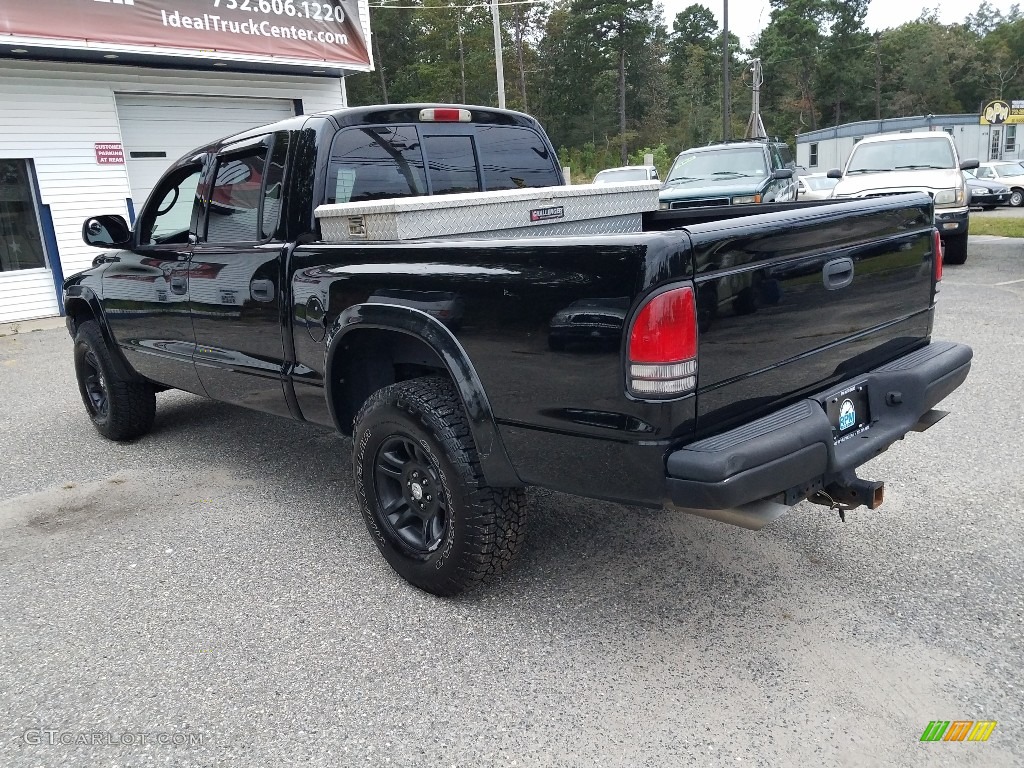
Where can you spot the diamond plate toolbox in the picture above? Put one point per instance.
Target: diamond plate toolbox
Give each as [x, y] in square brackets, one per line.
[539, 211]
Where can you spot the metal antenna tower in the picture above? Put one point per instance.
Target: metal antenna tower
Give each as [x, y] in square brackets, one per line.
[755, 128]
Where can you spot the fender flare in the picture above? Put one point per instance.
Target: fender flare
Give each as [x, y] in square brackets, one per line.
[76, 293]
[494, 461]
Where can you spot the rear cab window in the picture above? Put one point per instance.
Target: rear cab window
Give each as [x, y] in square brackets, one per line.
[389, 161]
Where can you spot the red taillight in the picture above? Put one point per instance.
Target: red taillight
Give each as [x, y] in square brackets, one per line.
[663, 345]
[445, 115]
[937, 245]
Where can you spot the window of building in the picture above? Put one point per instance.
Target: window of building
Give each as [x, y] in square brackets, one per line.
[1010, 144]
[237, 195]
[812, 162]
[21, 244]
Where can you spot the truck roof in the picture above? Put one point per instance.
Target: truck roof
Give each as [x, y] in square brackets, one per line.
[386, 113]
[881, 137]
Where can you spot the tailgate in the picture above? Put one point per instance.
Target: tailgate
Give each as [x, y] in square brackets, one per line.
[790, 303]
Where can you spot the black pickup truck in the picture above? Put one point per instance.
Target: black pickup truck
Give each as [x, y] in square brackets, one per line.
[730, 368]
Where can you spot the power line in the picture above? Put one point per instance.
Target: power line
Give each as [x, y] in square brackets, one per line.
[481, 6]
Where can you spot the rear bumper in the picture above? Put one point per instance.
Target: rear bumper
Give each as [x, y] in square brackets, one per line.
[792, 453]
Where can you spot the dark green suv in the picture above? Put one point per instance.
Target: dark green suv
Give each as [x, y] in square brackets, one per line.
[734, 173]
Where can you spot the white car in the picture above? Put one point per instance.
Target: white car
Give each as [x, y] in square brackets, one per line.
[815, 186]
[897, 163]
[627, 173]
[1009, 173]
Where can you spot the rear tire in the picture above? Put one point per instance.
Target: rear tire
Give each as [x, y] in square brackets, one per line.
[119, 408]
[955, 249]
[422, 492]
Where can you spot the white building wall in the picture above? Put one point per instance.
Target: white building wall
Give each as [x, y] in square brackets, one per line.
[54, 114]
[972, 142]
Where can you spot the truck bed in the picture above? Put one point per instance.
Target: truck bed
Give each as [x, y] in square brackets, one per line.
[770, 331]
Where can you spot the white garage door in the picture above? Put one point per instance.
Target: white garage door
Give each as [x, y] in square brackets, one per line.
[157, 130]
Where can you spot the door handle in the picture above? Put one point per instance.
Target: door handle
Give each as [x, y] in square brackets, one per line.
[179, 284]
[262, 290]
[837, 274]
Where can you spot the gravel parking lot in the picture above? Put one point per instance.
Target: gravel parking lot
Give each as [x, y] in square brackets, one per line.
[215, 580]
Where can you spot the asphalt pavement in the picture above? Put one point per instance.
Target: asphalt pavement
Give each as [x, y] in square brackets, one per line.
[208, 596]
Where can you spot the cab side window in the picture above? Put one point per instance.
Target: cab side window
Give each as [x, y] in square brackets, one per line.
[167, 218]
[236, 197]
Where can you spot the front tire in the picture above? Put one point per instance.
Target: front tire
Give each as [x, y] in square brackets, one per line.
[422, 492]
[119, 408]
[955, 250]
[1017, 198]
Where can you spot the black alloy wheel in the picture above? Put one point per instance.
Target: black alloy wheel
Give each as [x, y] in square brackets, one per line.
[119, 403]
[96, 398]
[422, 492]
[408, 493]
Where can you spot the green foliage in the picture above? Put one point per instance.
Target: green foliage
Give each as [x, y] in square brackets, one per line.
[662, 158]
[991, 225]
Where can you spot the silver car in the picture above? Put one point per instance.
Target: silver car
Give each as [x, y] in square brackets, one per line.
[1009, 173]
[627, 173]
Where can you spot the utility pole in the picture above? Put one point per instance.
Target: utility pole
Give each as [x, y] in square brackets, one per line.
[498, 64]
[755, 128]
[726, 96]
[878, 78]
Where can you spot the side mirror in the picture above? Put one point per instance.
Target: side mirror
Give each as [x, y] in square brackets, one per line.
[969, 165]
[782, 173]
[106, 232]
[834, 173]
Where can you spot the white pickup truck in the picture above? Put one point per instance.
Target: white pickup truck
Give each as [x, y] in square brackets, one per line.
[901, 163]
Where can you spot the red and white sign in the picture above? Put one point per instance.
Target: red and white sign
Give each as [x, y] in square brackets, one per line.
[297, 32]
[109, 153]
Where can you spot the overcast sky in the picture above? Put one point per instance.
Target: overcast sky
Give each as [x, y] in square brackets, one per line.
[748, 17]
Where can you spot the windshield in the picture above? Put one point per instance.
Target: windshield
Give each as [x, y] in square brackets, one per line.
[907, 155]
[818, 183]
[1009, 169]
[725, 163]
[623, 174]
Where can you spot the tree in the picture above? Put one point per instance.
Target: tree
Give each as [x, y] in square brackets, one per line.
[695, 69]
[619, 30]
